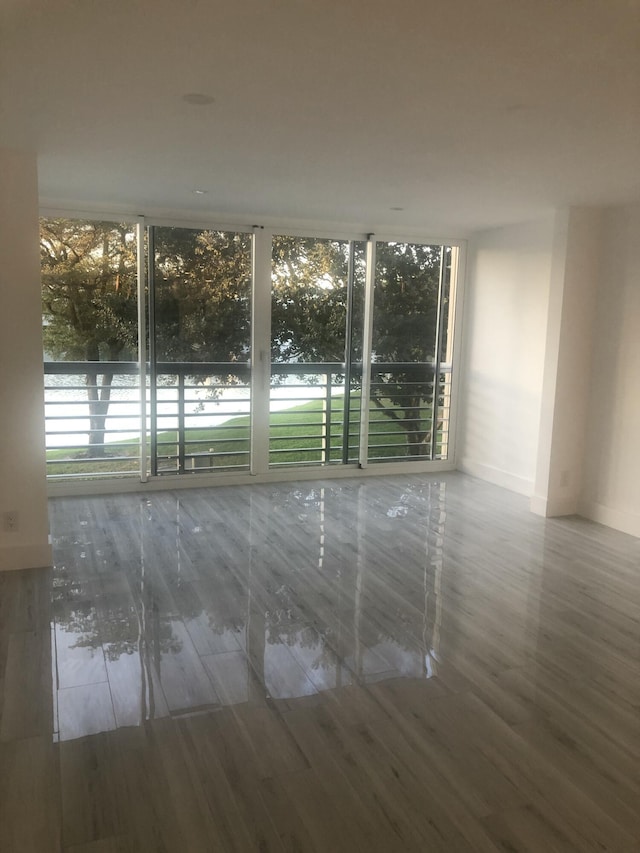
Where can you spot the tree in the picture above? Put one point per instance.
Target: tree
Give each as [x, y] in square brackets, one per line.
[89, 304]
[404, 337]
[309, 316]
[202, 295]
[309, 305]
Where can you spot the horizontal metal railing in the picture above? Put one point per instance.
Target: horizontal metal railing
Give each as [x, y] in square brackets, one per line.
[199, 420]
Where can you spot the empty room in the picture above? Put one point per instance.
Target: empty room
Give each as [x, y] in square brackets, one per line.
[319, 505]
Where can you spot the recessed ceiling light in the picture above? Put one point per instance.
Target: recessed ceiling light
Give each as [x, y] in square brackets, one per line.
[396, 208]
[198, 98]
[200, 192]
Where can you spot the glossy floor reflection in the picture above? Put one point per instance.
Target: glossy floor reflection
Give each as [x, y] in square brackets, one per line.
[195, 601]
[392, 664]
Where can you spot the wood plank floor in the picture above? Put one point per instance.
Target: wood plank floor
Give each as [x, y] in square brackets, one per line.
[409, 663]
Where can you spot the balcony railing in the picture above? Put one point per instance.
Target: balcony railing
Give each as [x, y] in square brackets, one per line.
[198, 416]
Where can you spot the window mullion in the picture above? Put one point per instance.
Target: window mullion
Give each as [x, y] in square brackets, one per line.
[142, 348]
[367, 337]
[260, 351]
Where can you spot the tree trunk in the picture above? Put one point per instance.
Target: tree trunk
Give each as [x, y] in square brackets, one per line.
[417, 438]
[99, 395]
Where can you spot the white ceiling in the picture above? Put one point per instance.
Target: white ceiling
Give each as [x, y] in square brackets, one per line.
[465, 113]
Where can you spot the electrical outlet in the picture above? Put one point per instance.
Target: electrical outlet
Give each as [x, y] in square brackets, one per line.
[10, 521]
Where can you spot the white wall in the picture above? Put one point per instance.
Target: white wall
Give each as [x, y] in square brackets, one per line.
[504, 330]
[22, 453]
[611, 481]
[566, 390]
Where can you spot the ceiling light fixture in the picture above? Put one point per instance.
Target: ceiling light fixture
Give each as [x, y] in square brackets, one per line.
[200, 192]
[396, 208]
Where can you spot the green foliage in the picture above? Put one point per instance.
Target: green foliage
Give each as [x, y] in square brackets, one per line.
[406, 302]
[88, 272]
[404, 333]
[309, 301]
[309, 314]
[202, 295]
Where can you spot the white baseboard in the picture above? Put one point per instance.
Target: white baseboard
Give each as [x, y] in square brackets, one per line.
[627, 522]
[538, 505]
[497, 476]
[553, 507]
[25, 557]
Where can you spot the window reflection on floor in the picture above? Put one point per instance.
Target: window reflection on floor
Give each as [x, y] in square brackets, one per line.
[174, 605]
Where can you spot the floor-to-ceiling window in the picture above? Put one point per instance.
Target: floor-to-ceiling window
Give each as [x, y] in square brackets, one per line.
[199, 350]
[409, 394]
[90, 337]
[355, 365]
[316, 350]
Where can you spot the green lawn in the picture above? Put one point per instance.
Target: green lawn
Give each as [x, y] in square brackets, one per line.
[296, 436]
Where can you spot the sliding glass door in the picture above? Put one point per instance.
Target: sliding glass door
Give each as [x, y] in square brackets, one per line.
[200, 350]
[316, 350]
[410, 390]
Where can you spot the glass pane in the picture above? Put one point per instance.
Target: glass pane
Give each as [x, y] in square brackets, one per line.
[202, 336]
[90, 332]
[316, 342]
[410, 333]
